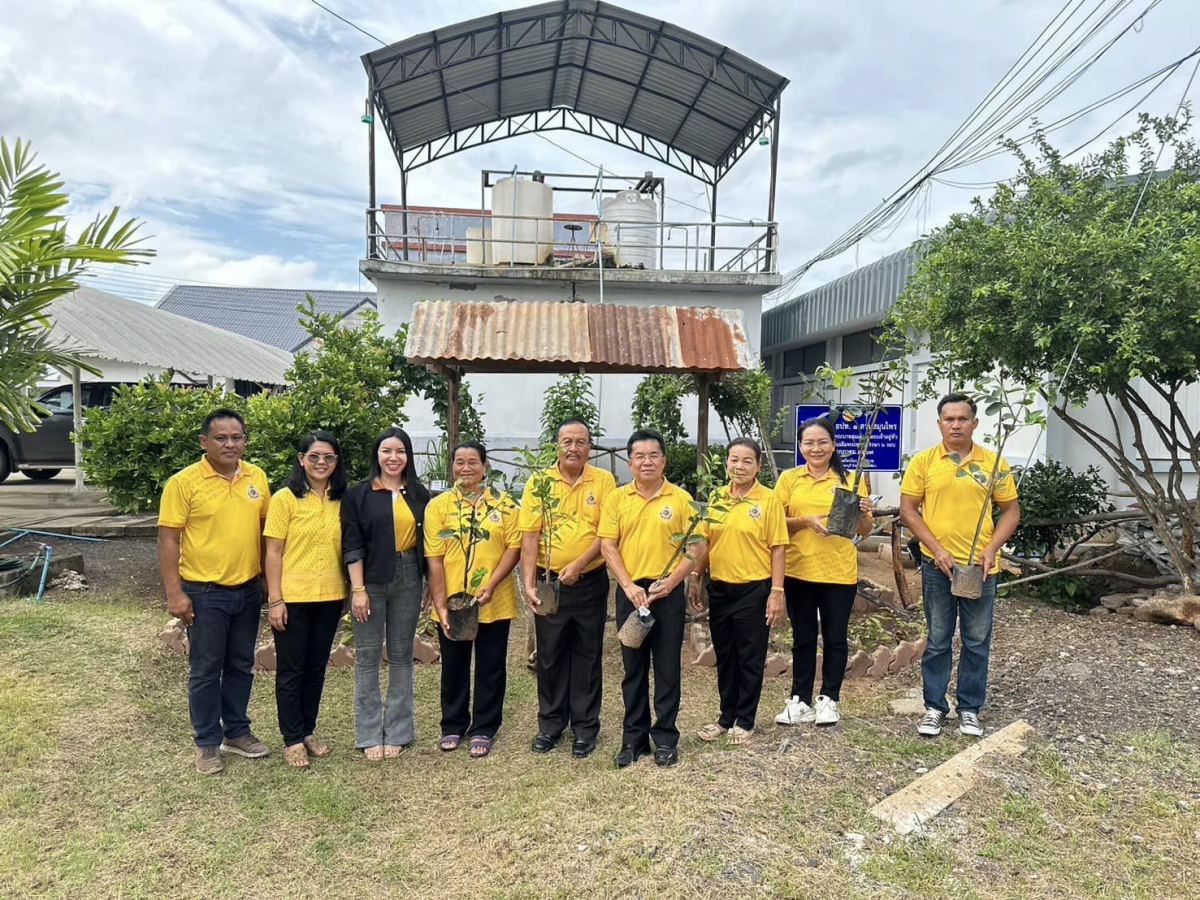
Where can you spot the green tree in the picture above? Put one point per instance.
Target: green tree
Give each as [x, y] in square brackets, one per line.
[38, 264]
[1084, 281]
[658, 404]
[351, 384]
[570, 397]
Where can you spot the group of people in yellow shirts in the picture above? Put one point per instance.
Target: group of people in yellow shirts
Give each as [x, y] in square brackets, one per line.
[392, 549]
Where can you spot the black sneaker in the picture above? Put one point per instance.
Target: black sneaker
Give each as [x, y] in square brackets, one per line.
[666, 756]
[544, 743]
[931, 723]
[630, 754]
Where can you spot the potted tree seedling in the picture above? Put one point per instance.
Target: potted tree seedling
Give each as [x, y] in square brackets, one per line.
[541, 489]
[1013, 410]
[635, 628]
[463, 606]
[875, 389]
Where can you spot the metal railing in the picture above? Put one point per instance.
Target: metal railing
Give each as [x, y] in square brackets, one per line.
[441, 238]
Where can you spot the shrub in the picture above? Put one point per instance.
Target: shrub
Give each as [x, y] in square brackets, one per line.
[1051, 490]
[658, 404]
[149, 433]
[570, 397]
[681, 465]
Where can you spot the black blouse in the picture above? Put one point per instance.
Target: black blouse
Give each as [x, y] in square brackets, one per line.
[368, 532]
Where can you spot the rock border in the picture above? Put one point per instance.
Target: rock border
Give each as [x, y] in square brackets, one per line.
[875, 665]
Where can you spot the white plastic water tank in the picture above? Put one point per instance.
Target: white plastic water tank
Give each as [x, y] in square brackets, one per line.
[519, 197]
[479, 246]
[631, 224]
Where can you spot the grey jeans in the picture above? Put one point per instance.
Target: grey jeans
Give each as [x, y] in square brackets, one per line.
[394, 609]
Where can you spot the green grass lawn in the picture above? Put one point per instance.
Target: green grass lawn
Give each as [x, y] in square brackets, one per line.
[99, 798]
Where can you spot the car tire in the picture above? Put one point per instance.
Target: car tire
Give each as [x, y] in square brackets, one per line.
[5, 465]
[40, 474]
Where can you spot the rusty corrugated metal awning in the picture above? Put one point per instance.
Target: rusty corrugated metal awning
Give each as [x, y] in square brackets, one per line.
[515, 336]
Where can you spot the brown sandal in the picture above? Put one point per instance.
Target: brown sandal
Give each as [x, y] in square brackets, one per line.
[373, 754]
[316, 747]
[739, 735]
[391, 751]
[711, 731]
[296, 756]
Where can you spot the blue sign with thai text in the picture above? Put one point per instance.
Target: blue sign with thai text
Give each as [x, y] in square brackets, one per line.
[883, 451]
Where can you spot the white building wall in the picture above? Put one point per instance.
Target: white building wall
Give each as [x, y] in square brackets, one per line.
[1028, 445]
[512, 404]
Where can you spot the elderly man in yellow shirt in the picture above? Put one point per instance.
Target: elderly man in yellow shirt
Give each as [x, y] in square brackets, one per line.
[210, 554]
[636, 526]
[571, 640]
[941, 506]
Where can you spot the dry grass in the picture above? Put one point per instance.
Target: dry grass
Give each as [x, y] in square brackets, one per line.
[98, 798]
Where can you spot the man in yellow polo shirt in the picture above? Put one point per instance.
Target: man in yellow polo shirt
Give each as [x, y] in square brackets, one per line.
[570, 641]
[210, 555]
[941, 505]
[636, 526]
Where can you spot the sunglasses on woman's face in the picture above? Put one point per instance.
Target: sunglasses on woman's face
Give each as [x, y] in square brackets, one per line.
[327, 458]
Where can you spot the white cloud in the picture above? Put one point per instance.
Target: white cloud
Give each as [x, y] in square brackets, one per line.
[232, 128]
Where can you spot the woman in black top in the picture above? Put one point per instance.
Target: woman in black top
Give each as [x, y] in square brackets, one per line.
[382, 518]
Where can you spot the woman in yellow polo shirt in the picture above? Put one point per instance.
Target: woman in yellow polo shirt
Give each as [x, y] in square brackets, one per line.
[822, 574]
[489, 581]
[381, 546]
[744, 551]
[306, 589]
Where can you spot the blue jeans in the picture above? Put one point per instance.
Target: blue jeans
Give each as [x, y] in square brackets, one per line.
[942, 609]
[224, 627]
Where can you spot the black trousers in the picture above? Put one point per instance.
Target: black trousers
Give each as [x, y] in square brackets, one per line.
[301, 656]
[834, 602]
[662, 648]
[570, 652]
[737, 617]
[459, 715]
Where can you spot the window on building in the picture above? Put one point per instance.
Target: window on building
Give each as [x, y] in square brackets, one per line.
[803, 360]
[863, 348]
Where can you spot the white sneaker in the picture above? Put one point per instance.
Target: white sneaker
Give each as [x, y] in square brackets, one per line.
[827, 711]
[797, 712]
[968, 724]
[931, 725]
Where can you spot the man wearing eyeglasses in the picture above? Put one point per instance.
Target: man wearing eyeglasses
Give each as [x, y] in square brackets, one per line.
[636, 529]
[210, 552]
[570, 641]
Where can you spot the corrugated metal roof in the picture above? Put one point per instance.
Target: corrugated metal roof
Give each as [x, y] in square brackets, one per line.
[540, 336]
[262, 314]
[638, 72]
[112, 327]
[864, 293]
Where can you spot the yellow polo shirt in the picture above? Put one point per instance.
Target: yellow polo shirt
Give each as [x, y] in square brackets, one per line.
[950, 502]
[446, 511]
[404, 526]
[311, 530]
[643, 528]
[740, 539]
[811, 556]
[576, 520]
[221, 521]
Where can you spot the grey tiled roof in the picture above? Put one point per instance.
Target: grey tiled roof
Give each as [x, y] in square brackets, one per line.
[263, 314]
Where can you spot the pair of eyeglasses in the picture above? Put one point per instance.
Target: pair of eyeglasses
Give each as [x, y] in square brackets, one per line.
[819, 445]
[327, 458]
[643, 457]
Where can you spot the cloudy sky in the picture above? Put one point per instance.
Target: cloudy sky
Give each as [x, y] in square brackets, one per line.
[231, 127]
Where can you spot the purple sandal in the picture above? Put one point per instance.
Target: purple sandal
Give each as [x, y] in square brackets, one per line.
[481, 746]
[449, 742]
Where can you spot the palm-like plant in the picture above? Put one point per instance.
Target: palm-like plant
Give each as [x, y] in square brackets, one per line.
[38, 264]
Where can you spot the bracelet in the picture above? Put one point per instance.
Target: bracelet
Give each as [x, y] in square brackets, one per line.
[776, 589]
[361, 589]
[271, 604]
